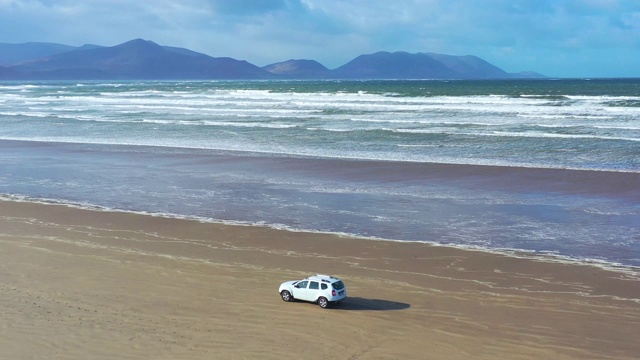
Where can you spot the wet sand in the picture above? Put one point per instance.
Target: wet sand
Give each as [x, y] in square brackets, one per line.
[79, 284]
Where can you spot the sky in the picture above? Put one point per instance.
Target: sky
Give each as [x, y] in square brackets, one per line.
[558, 38]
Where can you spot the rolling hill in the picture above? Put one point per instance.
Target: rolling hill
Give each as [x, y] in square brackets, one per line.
[142, 59]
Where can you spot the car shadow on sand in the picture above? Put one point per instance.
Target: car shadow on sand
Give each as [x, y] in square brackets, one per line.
[364, 304]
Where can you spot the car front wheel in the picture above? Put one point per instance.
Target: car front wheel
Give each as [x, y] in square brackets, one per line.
[286, 295]
[323, 302]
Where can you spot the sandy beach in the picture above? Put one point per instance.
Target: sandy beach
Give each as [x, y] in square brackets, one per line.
[81, 284]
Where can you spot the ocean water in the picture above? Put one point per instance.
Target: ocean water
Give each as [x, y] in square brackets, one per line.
[347, 157]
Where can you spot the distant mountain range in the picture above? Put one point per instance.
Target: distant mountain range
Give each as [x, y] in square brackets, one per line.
[141, 59]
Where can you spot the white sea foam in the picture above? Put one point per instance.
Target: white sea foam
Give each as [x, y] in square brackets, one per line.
[359, 114]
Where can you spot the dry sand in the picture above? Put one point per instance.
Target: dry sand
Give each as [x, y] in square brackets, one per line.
[80, 284]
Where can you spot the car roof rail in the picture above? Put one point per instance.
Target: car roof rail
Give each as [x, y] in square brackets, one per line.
[324, 277]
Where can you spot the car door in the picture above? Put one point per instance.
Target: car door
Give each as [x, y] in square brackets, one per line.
[312, 291]
[300, 290]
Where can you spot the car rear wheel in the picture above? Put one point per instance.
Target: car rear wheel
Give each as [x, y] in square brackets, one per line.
[286, 295]
[323, 302]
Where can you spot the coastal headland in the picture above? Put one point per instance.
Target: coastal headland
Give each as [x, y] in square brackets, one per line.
[78, 284]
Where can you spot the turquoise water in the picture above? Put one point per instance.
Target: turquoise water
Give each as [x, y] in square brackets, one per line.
[342, 156]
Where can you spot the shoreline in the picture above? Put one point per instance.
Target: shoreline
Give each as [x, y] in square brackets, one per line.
[630, 270]
[78, 283]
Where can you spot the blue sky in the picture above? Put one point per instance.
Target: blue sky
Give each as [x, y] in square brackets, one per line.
[559, 38]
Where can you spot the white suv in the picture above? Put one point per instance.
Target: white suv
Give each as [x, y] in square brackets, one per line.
[321, 289]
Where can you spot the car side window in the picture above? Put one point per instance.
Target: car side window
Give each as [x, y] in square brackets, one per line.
[302, 284]
[314, 286]
[324, 286]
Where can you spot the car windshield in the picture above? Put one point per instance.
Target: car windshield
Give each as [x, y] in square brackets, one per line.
[338, 285]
